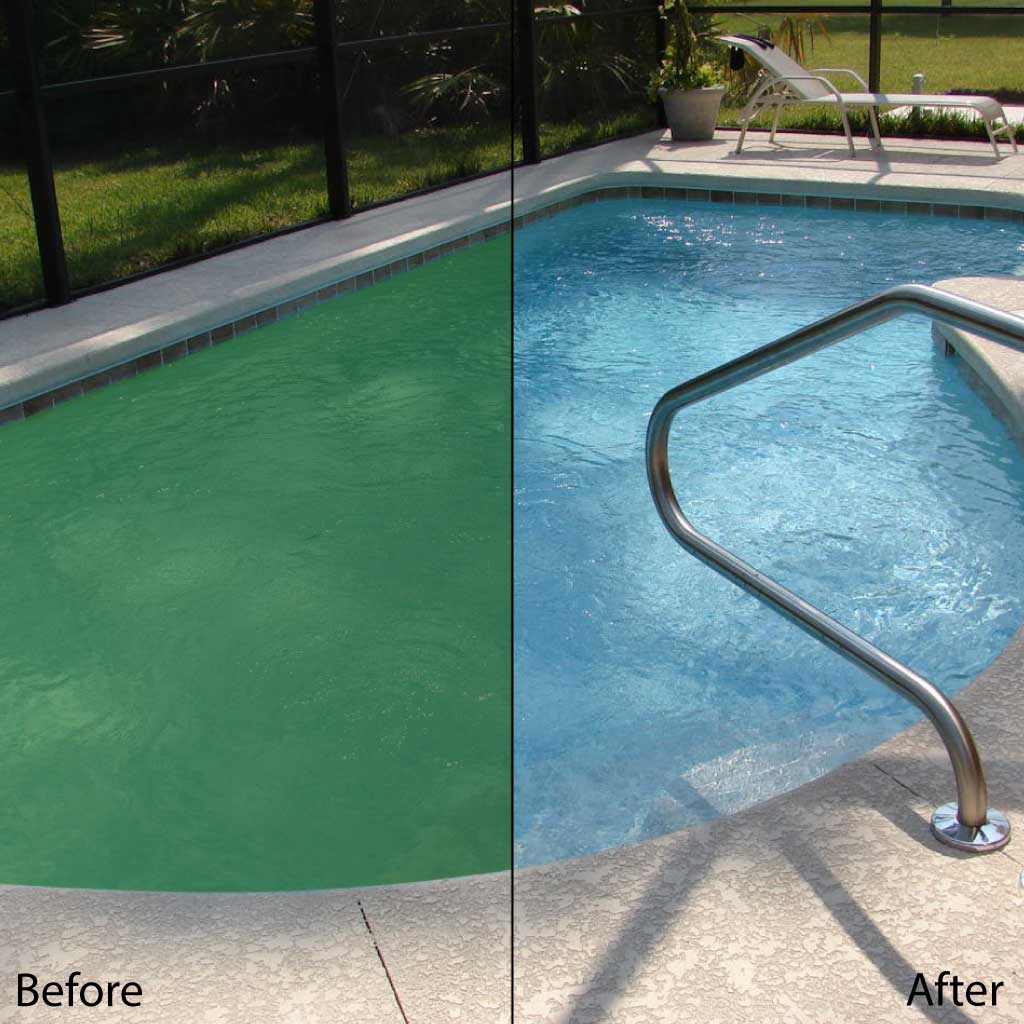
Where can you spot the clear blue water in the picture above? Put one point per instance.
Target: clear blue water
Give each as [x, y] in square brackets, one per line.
[651, 693]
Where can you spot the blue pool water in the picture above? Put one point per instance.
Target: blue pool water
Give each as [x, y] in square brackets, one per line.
[870, 478]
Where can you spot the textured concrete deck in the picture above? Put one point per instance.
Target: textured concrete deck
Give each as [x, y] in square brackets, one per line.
[818, 906]
[823, 904]
[908, 170]
[432, 953]
[49, 348]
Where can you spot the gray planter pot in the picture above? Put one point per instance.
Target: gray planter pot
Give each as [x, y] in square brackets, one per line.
[691, 113]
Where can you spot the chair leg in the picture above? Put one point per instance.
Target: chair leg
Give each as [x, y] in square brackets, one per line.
[743, 135]
[873, 116]
[846, 128]
[1007, 129]
[746, 118]
[991, 136]
[1010, 131]
[775, 123]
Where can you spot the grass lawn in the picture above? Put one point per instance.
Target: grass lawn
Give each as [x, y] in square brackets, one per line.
[129, 212]
[123, 213]
[975, 53]
[557, 138]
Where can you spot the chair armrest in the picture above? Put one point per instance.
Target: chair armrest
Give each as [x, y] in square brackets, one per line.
[845, 71]
[811, 78]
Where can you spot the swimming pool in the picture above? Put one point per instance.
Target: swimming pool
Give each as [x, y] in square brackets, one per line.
[650, 693]
[247, 641]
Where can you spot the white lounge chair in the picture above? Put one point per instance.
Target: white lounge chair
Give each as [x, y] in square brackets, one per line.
[783, 82]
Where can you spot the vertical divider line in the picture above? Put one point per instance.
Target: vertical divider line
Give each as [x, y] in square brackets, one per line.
[513, 55]
[383, 962]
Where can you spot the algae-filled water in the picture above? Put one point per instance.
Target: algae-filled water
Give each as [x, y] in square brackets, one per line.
[255, 605]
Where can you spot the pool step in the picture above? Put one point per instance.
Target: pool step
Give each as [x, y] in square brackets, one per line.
[746, 776]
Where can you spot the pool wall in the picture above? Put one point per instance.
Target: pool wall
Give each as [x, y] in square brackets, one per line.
[759, 912]
[743, 197]
[755, 915]
[995, 371]
[260, 317]
[362, 254]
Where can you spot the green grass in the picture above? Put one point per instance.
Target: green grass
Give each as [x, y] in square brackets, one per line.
[20, 277]
[557, 138]
[130, 212]
[973, 53]
[126, 213]
[978, 53]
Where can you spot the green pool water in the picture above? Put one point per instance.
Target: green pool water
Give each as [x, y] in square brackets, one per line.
[255, 605]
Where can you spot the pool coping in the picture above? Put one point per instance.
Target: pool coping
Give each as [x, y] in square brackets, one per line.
[50, 355]
[995, 371]
[566, 953]
[104, 358]
[227, 330]
[650, 162]
[443, 947]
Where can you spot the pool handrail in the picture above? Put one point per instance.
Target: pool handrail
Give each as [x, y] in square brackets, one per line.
[969, 823]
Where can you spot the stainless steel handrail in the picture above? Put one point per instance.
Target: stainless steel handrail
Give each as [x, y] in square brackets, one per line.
[968, 824]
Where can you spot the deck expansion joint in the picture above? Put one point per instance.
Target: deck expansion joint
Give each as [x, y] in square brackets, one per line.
[383, 962]
[900, 782]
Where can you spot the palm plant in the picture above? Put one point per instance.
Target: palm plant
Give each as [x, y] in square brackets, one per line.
[795, 33]
[688, 62]
[452, 90]
[221, 28]
[581, 63]
[580, 66]
[82, 40]
[467, 94]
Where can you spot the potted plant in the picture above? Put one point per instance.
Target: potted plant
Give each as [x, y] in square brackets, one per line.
[688, 80]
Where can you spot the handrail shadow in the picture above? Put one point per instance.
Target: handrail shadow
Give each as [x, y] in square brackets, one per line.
[666, 893]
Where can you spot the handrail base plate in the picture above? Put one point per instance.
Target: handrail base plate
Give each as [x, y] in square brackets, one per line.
[993, 835]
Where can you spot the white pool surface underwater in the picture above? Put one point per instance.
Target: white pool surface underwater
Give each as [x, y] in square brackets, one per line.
[870, 478]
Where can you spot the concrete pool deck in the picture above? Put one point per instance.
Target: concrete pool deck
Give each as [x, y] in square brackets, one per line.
[52, 355]
[819, 905]
[822, 904]
[46, 356]
[942, 175]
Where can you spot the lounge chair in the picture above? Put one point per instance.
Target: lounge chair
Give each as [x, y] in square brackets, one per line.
[783, 82]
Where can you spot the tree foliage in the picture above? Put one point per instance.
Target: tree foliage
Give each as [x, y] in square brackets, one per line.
[583, 65]
[690, 60]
